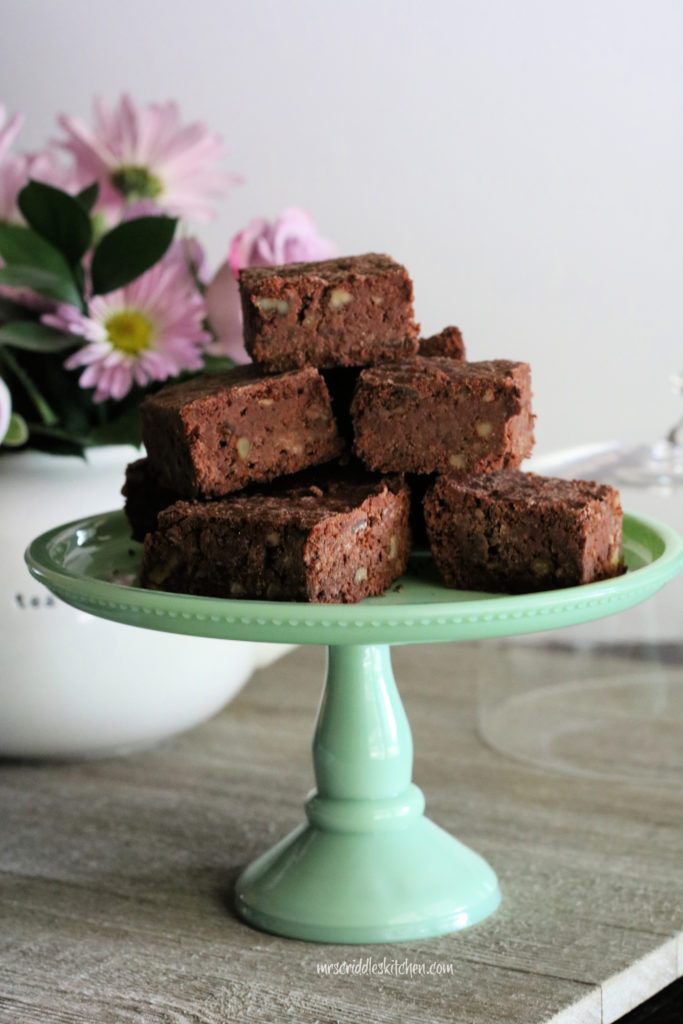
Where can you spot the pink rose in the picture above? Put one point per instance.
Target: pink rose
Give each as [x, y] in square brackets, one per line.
[224, 313]
[292, 238]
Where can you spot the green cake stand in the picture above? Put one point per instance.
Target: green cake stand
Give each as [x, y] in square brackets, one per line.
[367, 865]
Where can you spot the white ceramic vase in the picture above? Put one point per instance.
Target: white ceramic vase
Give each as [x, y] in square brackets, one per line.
[72, 685]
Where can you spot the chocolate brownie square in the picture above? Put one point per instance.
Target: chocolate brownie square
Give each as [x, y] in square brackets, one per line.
[145, 499]
[447, 342]
[349, 311]
[339, 541]
[517, 532]
[434, 414]
[214, 434]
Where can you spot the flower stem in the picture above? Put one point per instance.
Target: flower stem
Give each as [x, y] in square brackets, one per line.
[46, 414]
[191, 264]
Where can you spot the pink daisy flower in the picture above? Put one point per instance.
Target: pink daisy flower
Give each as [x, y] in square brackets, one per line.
[17, 168]
[291, 238]
[8, 129]
[13, 168]
[46, 166]
[15, 171]
[145, 153]
[13, 177]
[149, 330]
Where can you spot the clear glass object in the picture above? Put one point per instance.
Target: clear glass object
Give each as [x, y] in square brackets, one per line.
[659, 464]
[602, 699]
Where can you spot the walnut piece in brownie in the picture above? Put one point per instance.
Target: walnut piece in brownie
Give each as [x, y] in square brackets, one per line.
[339, 541]
[145, 499]
[215, 434]
[447, 342]
[434, 414]
[349, 311]
[517, 532]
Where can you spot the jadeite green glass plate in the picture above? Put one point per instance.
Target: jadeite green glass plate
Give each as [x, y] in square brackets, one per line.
[368, 865]
[93, 565]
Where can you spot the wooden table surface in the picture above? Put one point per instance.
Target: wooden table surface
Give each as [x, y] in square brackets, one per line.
[116, 875]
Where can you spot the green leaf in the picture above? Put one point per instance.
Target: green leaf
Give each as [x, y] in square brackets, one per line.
[79, 278]
[36, 337]
[55, 440]
[73, 406]
[11, 310]
[128, 250]
[88, 196]
[45, 282]
[217, 364]
[42, 407]
[58, 218]
[17, 432]
[125, 429]
[19, 244]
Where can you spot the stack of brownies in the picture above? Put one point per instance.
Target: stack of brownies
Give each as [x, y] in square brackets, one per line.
[286, 479]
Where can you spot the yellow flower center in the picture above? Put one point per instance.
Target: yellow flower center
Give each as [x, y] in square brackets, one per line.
[129, 331]
[136, 183]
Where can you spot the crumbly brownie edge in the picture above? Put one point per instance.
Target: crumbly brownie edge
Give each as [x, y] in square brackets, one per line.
[361, 553]
[144, 499]
[358, 313]
[236, 548]
[192, 552]
[435, 414]
[448, 342]
[234, 434]
[484, 539]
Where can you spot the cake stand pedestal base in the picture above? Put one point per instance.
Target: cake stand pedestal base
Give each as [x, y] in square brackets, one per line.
[368, 866]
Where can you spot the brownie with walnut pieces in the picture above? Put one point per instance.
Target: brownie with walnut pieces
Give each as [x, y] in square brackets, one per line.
[348, 311]
[214, 434]
[339, 541]
[145, 499]
[447, 342]
[518, 532]
[341, 381]
[434, 414]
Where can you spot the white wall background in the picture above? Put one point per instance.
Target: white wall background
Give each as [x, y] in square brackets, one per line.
[524, 159]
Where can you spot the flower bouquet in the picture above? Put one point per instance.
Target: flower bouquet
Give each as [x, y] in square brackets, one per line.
[104, 290]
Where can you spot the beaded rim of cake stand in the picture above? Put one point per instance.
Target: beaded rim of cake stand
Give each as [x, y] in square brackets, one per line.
[49, 561]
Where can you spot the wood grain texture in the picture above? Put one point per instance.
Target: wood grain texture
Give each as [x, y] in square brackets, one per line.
[116, 875]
